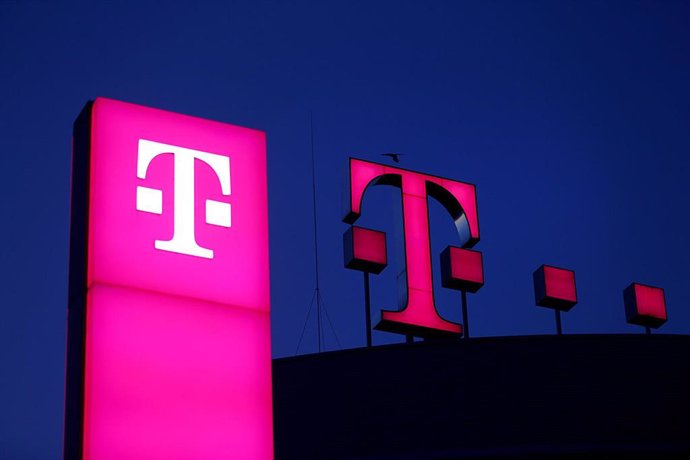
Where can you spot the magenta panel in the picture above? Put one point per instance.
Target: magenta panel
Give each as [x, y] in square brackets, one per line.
[560, 284]
[650, 301]
[177, 331]
[175, 378]
[369, 245]
[123, 238]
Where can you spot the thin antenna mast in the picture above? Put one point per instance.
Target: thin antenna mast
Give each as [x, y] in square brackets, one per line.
[316, 239]
[316, 297]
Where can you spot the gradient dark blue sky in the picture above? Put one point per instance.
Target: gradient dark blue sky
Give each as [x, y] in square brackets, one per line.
[570, 117]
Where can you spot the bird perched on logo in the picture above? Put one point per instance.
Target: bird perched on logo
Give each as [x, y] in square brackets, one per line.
[394, 156]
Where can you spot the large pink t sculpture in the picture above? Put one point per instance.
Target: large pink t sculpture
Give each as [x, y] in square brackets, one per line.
[417, 314]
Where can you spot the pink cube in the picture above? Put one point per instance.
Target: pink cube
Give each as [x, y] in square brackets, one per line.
[555, 288]
[365, 250]
[462, 269]
[645, 305]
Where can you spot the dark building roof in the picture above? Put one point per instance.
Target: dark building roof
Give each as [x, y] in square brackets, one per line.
[600, 396]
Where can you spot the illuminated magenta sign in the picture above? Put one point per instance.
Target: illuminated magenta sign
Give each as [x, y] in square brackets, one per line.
[417, 314]
[175, 301]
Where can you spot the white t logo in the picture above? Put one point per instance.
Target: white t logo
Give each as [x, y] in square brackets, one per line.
[151, 199]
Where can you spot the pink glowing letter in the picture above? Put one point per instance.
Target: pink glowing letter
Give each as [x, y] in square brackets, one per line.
[417, 314]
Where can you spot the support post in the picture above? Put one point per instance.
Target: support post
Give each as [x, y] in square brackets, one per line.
[465, 320]
[367, 308]
[559, 328]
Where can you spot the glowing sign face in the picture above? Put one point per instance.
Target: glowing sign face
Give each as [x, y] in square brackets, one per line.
[176, 359]
[417, 314]
[145, 160]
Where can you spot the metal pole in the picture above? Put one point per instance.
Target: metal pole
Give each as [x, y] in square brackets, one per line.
[367, 308]
[316, 232]
[465, 320]
[559, 329]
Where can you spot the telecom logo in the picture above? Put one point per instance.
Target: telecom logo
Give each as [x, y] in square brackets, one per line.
[151, 199]
[169, 288]
[417, 313]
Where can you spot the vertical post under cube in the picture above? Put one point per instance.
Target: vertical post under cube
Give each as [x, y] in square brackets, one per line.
[462, 270]
[365, 251]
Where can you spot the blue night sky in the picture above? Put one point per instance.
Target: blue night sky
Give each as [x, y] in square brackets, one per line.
[570, 117]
